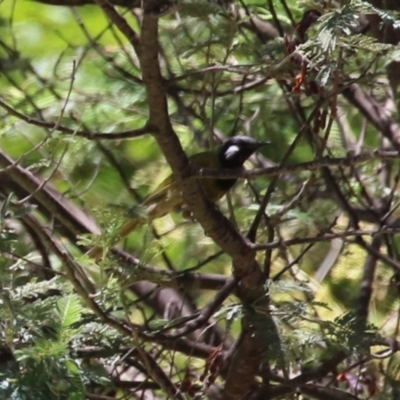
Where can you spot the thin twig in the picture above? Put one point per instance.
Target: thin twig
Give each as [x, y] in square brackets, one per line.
[325, 237]
[76, 132]
[300, 167]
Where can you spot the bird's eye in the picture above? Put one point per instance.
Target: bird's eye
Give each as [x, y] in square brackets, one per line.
[231, 151]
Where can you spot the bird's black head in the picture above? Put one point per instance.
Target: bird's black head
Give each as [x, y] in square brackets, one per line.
[236, 150]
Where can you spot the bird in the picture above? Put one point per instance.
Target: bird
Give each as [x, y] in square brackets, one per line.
[167, 198]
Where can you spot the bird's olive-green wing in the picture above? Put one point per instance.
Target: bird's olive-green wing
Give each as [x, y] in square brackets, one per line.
[165, 199]
[212, 187]
[167, 191]
[161, 190]
[206, 159]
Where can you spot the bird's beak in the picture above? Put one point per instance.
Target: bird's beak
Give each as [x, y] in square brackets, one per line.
[262, 144]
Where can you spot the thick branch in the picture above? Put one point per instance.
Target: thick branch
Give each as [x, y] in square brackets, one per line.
[213, 222]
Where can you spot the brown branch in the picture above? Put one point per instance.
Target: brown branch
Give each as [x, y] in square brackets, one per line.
[207, 312]
[376, 114]
[51, 203]
[212, 221]
[326, 237]
[367, 280]
[70, 3]
[380, 256]
[171, 279]
[215, 224]
[319, 372]
[326, 393]
[120, 22]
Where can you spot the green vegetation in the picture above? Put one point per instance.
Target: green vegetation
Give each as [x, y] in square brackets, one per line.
[289, 289]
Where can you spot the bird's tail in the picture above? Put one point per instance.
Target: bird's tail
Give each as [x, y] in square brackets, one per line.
[128, 227]
[156, 207]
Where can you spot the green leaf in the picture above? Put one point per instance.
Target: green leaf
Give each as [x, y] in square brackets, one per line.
[69, 310]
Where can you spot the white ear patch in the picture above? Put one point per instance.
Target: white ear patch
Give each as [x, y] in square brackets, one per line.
[231, 151]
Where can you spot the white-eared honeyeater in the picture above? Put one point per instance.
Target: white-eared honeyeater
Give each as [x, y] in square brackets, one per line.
[167, 196]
